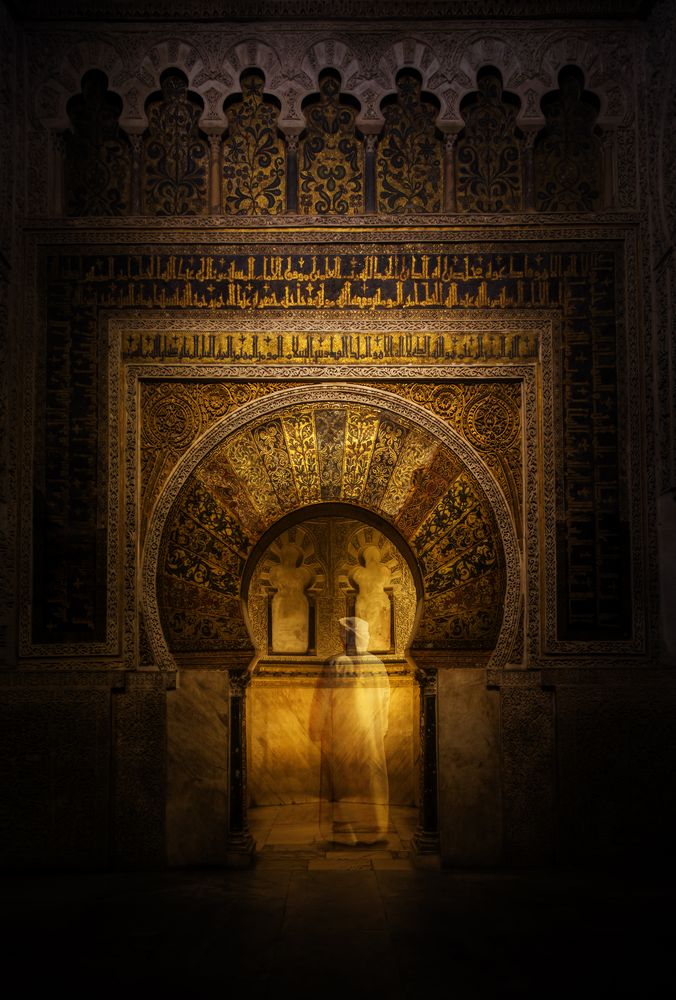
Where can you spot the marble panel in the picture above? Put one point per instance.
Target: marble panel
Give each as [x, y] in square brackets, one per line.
[284, 763]
[197, 785]
[402, 746]
[470, 820]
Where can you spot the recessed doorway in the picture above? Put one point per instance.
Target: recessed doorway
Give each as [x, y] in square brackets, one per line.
[333, 706]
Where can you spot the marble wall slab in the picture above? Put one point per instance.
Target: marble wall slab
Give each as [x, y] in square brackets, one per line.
[284, 763]
[197, 779]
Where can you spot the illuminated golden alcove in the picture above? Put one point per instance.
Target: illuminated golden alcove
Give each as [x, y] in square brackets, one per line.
[309, 578]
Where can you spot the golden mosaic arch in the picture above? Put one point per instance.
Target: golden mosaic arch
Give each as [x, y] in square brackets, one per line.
[302, 447]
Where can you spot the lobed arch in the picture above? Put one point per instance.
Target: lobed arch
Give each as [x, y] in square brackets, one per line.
[563, 49]
[329, 53]
[321, 559]
[254, 53]
[449, 74]
[487, 50]
[409, 53]
[213, 446]
[52, 96]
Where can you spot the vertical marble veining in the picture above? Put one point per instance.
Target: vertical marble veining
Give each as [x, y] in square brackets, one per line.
[284, 763]
[197, 786]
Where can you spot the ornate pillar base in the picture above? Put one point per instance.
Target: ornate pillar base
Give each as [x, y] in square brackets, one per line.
[241, 850]
[425, 842]
[426, 849]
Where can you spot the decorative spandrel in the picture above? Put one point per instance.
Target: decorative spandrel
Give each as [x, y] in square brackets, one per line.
[488, 167]
[567, 154]
[175, 157]
[331, 156]
[489, 418]
[254, 160]
[409, 172]
[97, 173]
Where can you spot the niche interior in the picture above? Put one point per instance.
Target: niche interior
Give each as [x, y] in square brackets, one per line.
[307, 578]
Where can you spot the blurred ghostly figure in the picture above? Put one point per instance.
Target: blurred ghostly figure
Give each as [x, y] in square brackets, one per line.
[290, 619]
[349, 720]
[373, 604]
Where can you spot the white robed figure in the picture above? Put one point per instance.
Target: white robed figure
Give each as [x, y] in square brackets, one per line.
[349, 720]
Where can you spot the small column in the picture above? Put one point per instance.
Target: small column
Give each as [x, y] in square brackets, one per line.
[370, 143]
[449, 172]
[58, 157]
[215, 147]
[426, 838]
[530, 135]
[241, 846]
[292, 173]
[136, 140]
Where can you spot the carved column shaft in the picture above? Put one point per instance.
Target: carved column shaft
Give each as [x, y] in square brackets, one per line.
[292, 173]
[241, 846]
[529, 170]
[370, 143]
[215, 147]
[426, 838]
[449, 172]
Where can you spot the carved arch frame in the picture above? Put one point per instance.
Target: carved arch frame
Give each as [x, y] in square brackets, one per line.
[283, 399]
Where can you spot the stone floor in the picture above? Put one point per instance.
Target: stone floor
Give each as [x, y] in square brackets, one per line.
[373, 932]
[288, 836]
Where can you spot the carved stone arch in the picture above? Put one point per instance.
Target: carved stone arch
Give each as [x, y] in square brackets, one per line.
[95, 53]
[332, 567]
[52, 96]
[409, 53]
[146, 80]
[221, 444]
[97, 152]
[331, 53]
[565, 48]
[486, 50]
[175, 53]
[610, 87]
[254, 53]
